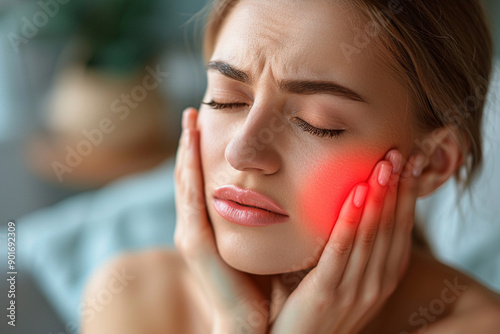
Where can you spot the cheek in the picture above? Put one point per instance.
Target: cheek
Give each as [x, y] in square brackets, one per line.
[326, 188]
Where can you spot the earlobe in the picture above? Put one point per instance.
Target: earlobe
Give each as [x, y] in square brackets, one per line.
[443, 159]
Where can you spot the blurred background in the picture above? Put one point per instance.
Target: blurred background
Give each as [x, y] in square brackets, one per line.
[91, 94]
[68, 64]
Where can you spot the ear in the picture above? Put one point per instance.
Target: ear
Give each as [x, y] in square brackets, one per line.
[443, 158]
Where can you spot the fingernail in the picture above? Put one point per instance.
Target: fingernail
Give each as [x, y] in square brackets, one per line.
[396, 159]
[418, 165]
[384, 174]
[360, 195]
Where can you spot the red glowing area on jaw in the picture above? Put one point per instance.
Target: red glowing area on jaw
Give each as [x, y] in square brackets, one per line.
[325, 191]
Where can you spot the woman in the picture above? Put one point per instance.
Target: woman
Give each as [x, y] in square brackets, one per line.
[322, 123]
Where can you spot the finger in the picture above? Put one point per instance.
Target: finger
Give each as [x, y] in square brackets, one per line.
[189, 118]
[193, 231]
[373, 289]
[368, 226]
[186, 114]
[376, 267]
[404, 218]
[180, 155]
[337, 250]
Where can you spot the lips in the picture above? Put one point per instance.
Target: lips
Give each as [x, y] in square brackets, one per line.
[247, 207]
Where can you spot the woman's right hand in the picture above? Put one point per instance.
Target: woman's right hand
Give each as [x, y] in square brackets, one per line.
[233, 294]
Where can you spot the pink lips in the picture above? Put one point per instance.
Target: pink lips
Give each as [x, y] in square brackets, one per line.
[247, 207]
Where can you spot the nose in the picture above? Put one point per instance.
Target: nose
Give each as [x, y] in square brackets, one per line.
[254, 146]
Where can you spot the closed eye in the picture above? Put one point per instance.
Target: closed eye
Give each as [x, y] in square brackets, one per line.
[329, 133]
[303, 125]
[218, 106]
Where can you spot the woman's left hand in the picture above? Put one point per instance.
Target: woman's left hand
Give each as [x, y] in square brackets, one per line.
[363, 261]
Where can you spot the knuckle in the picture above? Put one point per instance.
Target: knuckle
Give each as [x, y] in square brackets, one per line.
[367, 235]
[184, 245]
[184, 211]
[350, 218]
[191, 163]
[372, 294]
[323, 303]
[378, 197]
[386, 225]
[190, 244]
[178, 240]
[349, 299]
[184, 249]
[341, 248]
[195, 198]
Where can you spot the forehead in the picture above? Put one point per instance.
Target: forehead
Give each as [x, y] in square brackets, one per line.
[298, 38]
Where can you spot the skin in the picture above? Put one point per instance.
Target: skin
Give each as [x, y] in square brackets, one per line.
[308, 176]
[363, 277]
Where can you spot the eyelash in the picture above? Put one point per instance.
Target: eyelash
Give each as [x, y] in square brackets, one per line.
[329, 133]
[219, 106]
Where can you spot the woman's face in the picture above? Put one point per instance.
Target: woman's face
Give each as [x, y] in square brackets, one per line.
[280, 71]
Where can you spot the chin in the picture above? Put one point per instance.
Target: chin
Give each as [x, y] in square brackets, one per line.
[261, 254]
[250, 264]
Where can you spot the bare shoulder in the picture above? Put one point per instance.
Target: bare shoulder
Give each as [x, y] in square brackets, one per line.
[142, 292]
[430, 292]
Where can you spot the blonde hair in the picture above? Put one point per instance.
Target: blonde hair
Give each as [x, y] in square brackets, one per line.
[441, 50]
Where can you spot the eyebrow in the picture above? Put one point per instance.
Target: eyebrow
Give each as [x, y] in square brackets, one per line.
[229, 71]
[301, 87]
